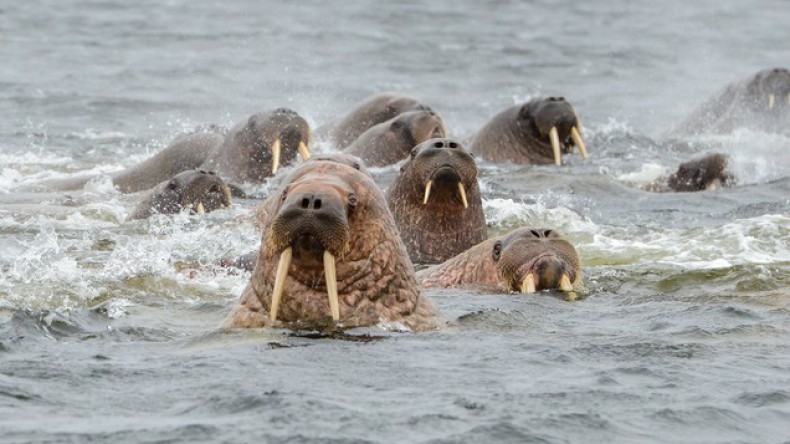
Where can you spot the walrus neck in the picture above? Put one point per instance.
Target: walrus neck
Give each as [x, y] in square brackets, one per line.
[474, 267]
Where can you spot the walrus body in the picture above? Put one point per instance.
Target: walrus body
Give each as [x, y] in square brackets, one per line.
[703, 173]
[537, 132]
[330, 254]
[436, 203]
[392, 141]
[375, 109]
[250, 152]
[760, 102]
[197, 190]
[524, 261]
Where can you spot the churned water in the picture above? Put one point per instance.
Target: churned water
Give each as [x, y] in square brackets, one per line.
[108, 328]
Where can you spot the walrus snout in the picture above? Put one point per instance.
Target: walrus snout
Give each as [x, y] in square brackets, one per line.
[555, 121]
[530, 260]
[705, 173]
[446, 169]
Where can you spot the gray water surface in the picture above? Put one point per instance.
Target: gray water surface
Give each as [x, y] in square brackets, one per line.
[108, 328]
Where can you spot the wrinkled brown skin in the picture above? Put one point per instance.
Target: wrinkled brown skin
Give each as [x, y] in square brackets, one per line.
[375, 109]
[376, 281]
[704, 173]
[390, 142]
[184, 191]
[442, 228]
[520, 134]
[744, 104]
[504, 262]
[241, 154]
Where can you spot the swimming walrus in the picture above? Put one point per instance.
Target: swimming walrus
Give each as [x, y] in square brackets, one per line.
[199, 191]
[392, 141]
[707, 172]
[330, 253]
[373, 110]
[760, 102]
[249, 152]
[537, 132]
[524, 261]
[436, 203]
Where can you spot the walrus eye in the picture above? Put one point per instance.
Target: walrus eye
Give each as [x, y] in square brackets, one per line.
[284, 194]
[413, 153]
[172, 185]
[352, 201]
[524, 112]
[497, 250]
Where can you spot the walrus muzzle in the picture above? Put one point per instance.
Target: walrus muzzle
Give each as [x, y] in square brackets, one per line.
[555, 119]
[313, 224]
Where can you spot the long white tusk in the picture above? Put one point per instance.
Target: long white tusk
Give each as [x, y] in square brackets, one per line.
[528, 285]
[555, 145]
[200, 208]
[771, 101]
[279, 282]
[303, 151]
[577, 139]
[427, 192]
[330, 274]
[463, 194]
[275, 156]
[565, 283]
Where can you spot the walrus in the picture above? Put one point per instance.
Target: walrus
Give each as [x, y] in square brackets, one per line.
[707, 172]
[761, 101]
[537, 132]
[436, 203]
[198, 191]
[525, 260]
[331, 256]
[373, 110]
[249, 152]
[392, 141]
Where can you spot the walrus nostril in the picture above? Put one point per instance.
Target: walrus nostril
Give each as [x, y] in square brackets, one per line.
[317, 204]
[452, 145]
[305, 203]
[439, 144]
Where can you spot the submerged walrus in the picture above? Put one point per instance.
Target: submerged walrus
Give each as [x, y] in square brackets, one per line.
[537, 132]
[331, 253]
[250, 152]
[199, 191]
[375, 109]
[392, 141]
[703, 173]
[436, 202]
[760, 102]
[523, 261]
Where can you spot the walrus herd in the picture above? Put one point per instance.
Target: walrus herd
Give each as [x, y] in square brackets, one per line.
[337, 251]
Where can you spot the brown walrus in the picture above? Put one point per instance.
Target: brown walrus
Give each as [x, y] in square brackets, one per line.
[392, 141]
[760, 102]
[250, 152]
[537, 132]
[199, 191]
[703, 173]
[373, 110]
[331, 253]
[435, 201]
[523, 261]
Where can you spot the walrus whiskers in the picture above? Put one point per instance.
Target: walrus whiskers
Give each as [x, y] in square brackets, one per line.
[330, 275]
[279, 281]
[427, 192]
[303, 151]
[577, 139]
[528, 284]
[565, 283]
[555, 145]
[275, 156]
[462, 190]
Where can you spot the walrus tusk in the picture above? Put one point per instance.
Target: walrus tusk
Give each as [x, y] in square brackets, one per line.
[279, 282]
[577, 139]
[303, 151]
[200, 208]
[463, 194]
[771, 101]
[528, 284]
[555, 145]
[427, 192]
[275, 156]
[565, 283]
[330, 274]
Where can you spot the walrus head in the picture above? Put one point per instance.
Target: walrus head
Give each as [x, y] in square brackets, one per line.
[554, 123]
[529, 260]
[343, 159]
[440, 171]
[769, 90]
[197, 191]
[267, 141]
[705, 173]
